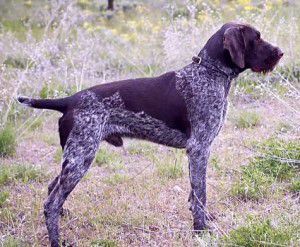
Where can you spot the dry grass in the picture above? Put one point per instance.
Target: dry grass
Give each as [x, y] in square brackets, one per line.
[137, 196]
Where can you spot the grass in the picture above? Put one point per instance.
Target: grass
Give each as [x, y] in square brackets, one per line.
[260, 233]
[12, 242]
[276, 161]
[295, 185]
[171, 166]
[4, 195]
[116, 179]
[104, 243]
[109, 159]
[21, 173]
[247, 119]
[7, 141]
[55, 48]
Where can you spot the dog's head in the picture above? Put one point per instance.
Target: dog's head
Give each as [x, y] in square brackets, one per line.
[241, 46]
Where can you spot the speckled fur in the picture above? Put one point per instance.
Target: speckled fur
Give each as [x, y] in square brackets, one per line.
[94, 120]
[205, 87]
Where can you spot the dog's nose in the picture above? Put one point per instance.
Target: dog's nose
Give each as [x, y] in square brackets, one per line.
[279, 52]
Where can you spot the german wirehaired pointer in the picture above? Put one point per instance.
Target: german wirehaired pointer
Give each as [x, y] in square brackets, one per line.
[182, 109]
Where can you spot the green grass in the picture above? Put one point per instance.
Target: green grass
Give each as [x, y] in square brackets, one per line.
[275, 162]
[7, 141]
[104, 243]
[278, 158]
[170, 166]
[142, 148]
[252, 185]
[4, 195]
[58, 155]
[295, 185]
[21, 173]
[116, 178]
[109, 159]
[260, 233]
[247, 119]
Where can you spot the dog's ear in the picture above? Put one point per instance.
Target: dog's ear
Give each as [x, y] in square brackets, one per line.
[233, 41]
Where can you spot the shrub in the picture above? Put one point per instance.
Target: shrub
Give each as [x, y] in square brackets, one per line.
[21, 173]
[247, 119]
[7, 141]
[259, 233]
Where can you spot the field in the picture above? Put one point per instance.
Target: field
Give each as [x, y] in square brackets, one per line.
[137, 195]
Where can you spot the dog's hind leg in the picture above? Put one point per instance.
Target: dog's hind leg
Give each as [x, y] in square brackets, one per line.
[88, 130]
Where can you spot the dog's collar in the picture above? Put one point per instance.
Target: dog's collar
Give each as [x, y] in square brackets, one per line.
[204, 60]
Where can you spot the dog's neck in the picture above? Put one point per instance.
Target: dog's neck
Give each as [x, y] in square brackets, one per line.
[203, 59]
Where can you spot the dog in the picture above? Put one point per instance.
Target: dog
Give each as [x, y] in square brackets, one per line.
[181, 109]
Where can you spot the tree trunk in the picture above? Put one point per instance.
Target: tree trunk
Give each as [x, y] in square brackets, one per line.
[110, 5]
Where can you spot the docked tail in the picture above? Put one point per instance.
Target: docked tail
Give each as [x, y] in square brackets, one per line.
[51, 104]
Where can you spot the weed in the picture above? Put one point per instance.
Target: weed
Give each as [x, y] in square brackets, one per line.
[7, 141]
[295, 185]
[4, 195]
[247, 119]
[278, 158]
[259, 233]
[36, 124]
[104, 243]
[58, 155]
[284, 127]
[18, 63]
[20, 173]
[252, 185]
[275, 162]
[104, 156]
[11, 241]
[116, 178]
[109, 159]
[142, 148]
[171, 166]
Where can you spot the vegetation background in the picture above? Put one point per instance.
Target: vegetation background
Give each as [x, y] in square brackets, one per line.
[137, 196]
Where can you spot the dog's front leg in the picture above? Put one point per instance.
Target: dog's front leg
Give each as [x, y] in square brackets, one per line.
[198, 154]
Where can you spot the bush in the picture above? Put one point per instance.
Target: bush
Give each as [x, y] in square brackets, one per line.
[7, 141]
[259, 233]
[247, 119]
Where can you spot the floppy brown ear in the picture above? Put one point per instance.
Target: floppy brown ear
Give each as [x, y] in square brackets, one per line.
[233, 41]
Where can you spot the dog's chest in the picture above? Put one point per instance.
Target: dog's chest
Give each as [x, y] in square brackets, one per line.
[204, 93]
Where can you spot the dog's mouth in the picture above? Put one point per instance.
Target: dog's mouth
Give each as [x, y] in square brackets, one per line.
[270, 65]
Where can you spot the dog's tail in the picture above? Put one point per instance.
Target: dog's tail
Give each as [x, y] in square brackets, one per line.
[51, 104]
